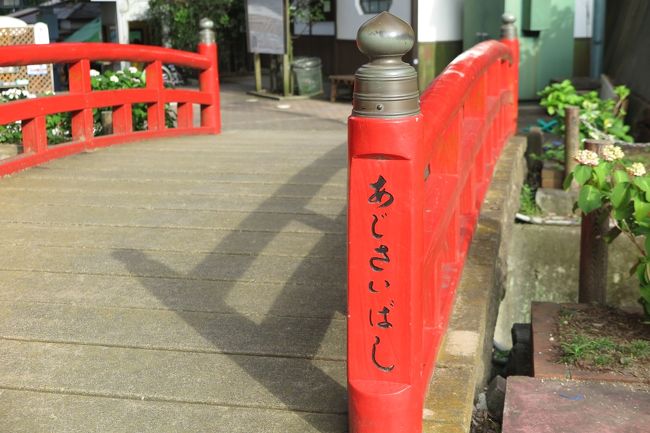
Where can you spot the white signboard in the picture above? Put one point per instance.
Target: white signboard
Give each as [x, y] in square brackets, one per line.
[265, 19]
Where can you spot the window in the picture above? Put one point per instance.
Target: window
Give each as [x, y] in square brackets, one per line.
[375, 6]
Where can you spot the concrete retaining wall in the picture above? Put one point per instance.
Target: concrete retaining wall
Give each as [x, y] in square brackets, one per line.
[465, 355]
[543, 266]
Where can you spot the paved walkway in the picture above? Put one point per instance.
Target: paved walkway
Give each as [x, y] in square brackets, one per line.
[184, 285]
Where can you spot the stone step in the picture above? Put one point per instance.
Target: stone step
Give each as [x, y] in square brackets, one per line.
[317, 271]
[175, 240]
[229, 332]
[250, 299]
[30, 411]
[75, 214]
[172, 376]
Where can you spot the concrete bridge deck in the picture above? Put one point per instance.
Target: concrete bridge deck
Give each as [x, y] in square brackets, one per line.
[182, 285]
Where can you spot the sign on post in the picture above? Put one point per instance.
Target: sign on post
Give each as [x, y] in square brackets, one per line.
[266, 26]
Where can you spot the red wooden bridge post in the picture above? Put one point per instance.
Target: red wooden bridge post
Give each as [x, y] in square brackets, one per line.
[209, 78]
[385, 320]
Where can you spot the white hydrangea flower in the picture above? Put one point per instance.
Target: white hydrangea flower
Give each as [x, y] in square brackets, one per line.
[637, 169]
[587, 157]
[114, 79]
[94, 73]
[133, 69]
[119, 72]
[136, 80]
[612, 153]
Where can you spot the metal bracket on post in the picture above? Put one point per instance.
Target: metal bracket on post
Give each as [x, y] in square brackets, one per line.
[386, 86]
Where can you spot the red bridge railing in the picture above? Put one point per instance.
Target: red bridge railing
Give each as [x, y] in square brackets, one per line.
[417, 176]
[81, 100]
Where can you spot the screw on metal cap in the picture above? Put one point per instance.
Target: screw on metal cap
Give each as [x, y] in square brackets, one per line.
[386, 86]
[207, 31]
[508, 29]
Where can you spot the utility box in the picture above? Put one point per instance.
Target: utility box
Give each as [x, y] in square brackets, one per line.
[536, 15]
[545, 32]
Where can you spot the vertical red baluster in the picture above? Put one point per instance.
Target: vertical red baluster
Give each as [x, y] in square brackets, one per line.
[82, 121]
[34, 135]
[155, 111]
[209, 78]
[184, 115]
[122, 119]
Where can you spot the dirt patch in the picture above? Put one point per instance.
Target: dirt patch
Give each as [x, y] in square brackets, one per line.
[604, 339]
[482, 422]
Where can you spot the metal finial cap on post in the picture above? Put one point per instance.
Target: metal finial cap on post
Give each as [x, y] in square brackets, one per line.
[508, 28]
[207, 31]
[386, 86]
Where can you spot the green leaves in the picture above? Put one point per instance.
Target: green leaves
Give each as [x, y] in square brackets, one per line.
[589, 199]
[643, 183]
[620, 194]
[582, 174]
[599, 117]
[620, 176]
[641, 210]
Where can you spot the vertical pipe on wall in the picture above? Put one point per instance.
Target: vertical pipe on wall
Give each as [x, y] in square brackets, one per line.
[598, 39]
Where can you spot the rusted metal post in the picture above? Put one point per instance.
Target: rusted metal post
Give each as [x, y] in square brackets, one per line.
[571, 138]
[534, 149]
[107, 121]
[593, 248]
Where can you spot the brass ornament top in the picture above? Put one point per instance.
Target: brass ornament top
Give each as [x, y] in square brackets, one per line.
[207, 31]
[508, 29]
[386, 86]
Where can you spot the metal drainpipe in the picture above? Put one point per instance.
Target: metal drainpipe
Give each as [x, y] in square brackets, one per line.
[597, 39]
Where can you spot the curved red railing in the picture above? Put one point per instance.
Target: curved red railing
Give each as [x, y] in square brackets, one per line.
[415, 190]
[81, 100]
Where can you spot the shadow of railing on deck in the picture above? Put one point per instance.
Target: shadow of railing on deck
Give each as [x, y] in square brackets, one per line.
[324, 389]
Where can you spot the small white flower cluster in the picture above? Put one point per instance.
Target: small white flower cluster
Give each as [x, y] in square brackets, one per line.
[587, 157]
[56, 131]
[637, 169]
[114, 79]
[612, 153]
[15, 94]
[94, 73]
[133, 69]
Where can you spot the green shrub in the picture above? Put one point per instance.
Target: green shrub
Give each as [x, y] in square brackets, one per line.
[600, 119]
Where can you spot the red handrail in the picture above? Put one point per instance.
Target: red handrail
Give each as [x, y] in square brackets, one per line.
[415, 190]
[81, 100]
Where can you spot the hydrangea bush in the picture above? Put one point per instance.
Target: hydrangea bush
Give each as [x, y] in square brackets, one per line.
[622, 190]
[59, 125]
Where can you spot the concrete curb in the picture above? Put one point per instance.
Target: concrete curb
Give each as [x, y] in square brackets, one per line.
[464, 359]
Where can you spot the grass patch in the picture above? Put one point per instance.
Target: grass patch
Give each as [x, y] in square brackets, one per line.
[527, 204]
[604, 339]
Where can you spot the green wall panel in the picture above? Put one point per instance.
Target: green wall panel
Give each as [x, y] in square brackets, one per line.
[433, 58]
[545, 54]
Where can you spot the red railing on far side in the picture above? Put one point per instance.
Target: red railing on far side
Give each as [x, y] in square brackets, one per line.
[418, 173]
[81, 100]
